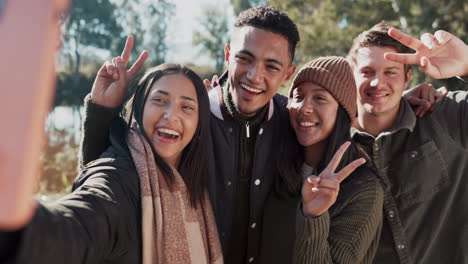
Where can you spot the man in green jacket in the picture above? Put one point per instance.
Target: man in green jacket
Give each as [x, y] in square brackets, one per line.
[423, 162]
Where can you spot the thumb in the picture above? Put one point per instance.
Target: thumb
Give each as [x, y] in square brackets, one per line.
[415, 101]
[207, 84]
[215, 80]
[443, 91]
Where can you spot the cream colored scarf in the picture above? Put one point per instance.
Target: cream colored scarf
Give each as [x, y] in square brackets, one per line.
[173, 231]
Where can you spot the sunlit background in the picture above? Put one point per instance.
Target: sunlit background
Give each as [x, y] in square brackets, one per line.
[194, 32]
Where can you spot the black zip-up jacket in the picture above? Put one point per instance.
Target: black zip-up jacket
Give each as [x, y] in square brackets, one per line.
[99, 222]
[224, 159]
[225, 137]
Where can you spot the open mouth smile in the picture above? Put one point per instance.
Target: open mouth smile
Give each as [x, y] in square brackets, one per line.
[168, 134]
[251, 90]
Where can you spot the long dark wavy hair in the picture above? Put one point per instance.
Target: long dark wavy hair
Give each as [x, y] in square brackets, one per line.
[194, 159]
[289, 180]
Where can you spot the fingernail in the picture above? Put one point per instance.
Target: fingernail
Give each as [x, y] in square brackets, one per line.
[440, 39]
[430, 46]
[315, 189]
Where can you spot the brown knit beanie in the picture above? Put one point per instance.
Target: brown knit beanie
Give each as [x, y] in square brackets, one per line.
[335, 75]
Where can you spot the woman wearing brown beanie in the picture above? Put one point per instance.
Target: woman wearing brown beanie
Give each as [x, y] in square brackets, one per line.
[337, 218]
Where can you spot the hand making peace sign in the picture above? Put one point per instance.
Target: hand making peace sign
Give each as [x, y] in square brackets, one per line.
[113, 78]
[320, 192]
[440, 56]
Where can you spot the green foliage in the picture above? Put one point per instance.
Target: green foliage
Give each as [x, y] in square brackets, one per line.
[72, 88]
[90, 23]
[241, 5]
[59, 161]
[328, 27]
[93, 26]
[205, 72]
[148, 21]
[212, 36]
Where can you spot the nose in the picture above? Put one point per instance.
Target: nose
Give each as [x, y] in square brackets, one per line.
[255, 73]
[171, 113]
[377, 80]
[306, 107]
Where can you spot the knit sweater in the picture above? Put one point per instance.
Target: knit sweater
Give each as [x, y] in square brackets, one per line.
[349, 231]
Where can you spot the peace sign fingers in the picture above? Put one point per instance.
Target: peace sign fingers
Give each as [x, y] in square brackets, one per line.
[337, 157]
[329, 171]
[346, 171]
[136, 67]
[127, 51]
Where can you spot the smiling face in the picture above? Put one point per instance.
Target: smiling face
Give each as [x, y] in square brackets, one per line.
[312, 111]
[170, 116]
[259, 63]
[380, 83]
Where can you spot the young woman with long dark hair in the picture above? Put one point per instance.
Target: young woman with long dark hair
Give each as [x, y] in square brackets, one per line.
[144, 200]
[327, 207]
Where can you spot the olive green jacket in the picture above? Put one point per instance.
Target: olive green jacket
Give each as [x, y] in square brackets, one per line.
[424, 165]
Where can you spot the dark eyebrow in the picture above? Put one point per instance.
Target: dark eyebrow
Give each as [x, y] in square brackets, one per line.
[247, 53]
[183, 97]
[267, 60]
[188, 98]
[163, 92]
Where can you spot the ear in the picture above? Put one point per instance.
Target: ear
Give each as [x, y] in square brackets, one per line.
[227, 53]
[289, 73]
[409, 77]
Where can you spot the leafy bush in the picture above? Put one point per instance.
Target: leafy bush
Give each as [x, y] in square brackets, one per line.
[59, 161]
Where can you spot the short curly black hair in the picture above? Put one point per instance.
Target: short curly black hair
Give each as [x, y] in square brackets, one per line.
[273, 20]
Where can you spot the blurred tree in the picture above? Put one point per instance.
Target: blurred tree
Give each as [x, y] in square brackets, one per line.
[241, 5]
[90, 23]
[147, 21]
[90, 27]
[328, 27]
[59, 161]
[212, 35]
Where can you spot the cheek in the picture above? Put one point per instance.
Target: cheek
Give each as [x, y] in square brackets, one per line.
[330, 118]
[292, 117]
[191, 125]
[150, 117]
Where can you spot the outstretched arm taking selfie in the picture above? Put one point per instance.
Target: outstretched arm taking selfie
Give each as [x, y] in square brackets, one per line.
[30, 36]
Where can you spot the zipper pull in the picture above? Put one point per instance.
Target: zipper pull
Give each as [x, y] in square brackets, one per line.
[247, 127]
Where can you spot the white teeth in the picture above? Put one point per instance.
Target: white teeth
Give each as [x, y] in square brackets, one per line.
[308, 124]
[169, 131]
[377, 95]
[250, 89]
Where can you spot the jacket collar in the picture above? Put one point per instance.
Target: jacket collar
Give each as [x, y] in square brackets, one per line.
[406, 120]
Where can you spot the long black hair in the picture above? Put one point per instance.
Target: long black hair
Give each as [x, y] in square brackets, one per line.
[289, 180]
[194, 159]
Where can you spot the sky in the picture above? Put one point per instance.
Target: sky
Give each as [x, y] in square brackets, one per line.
[181, 50]
[187, 15]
